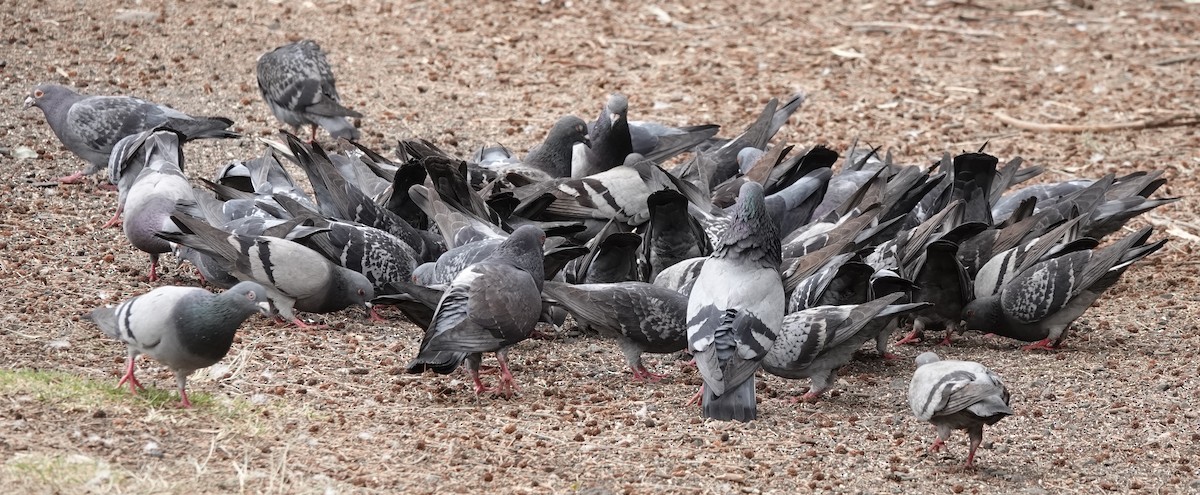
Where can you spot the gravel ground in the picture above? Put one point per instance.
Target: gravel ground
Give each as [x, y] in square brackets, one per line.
[329, 411]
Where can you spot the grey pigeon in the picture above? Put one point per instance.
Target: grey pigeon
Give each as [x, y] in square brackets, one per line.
[1042, 302]
[89, 126]
[298, 86]
[609, 139]
[671, 235]
[296, 277]
[815, 342]
[185, 328]
[640, 316]
[554, 155]
[736, 309]
[489, 307]
[681, 277]
[957, 395]
[151, 199]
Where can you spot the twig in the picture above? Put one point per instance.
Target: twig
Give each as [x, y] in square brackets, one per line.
[885, 25]
[1178, 60]
[1170, 121]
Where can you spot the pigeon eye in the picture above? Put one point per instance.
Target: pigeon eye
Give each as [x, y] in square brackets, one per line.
[362, 292]
[37, 93]
[250, 296]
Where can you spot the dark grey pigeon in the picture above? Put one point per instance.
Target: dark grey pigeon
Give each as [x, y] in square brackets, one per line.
[815, 342]
[89, 126]
[957, 395]
[611, 258]
[489, 307]
[736, 308]
[295, 276]
[840, 282]
[1042, 302]
[299, 88]
[185, 328]
[941, 280]
[152, 196]
[609, 138]
[671, 235]
[554, 155]
[640, 316]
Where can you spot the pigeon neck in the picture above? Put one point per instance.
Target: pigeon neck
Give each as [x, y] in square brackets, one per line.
[207, 329]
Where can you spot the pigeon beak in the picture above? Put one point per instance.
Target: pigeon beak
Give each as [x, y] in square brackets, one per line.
[587, 141]
[28, 102]
[265, 307]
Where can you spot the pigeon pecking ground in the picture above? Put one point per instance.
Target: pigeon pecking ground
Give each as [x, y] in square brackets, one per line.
[298, 411]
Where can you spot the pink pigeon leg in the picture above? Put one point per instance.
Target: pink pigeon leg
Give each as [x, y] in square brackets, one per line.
[697, 399]
[116, 218]
[133, 381]
[74, 178]
[1043, 344]
[508, 386]
[640, 373]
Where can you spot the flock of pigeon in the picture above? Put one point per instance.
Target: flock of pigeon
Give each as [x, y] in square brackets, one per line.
[747, 254]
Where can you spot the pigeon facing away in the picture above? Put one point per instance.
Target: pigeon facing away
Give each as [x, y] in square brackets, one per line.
[298, 85]
[736, 308]
[89, 126]
[962, 395]
[1041, 302]
[641, 316]
[185, 328]
[151, 199]
[489, 307]
[295, 276]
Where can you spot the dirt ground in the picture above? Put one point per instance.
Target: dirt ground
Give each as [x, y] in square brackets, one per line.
[329, 411]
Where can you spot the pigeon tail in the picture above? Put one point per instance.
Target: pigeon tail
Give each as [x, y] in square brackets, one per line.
[737, 404]
[441, 362]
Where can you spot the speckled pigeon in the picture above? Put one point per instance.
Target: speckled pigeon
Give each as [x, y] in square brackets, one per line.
[816, 341]
[957, 395]
[489, 307]
[1042, 302]
[295, 276]
[185, 328]
[298, 86]
[640, 316]
[89, 126]
[736, 308]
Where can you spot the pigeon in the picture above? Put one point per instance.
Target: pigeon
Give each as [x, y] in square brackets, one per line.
[89, 126]
[957, 395]
[298, 86]
[295, 277]
[609, 139]
[1042, 302]
[642, 317]
[553, 156]
[815, 342]
[151, 199]
[671, 235]
[489, 307]
[735, 309]
[185, 328]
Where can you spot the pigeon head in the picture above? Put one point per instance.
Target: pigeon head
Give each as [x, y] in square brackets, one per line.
[250, 296]
[618, 106]
[49, 96]
[982, 314]
[926, 358]
[524, 250]
[568, 131]
[751, 234]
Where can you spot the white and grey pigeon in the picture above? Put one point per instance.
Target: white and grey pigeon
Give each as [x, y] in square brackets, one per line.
[815, 342]
[152, 196]
[295, 277]
[89, 126]
[489, 307]
[957, 395]
[1041, 303]
[185, 328]
[736, 309]
[298, 86]
[642, 317]
[554, 155]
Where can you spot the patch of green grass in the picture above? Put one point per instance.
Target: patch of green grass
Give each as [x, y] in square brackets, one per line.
[61, 473]
[62, 388]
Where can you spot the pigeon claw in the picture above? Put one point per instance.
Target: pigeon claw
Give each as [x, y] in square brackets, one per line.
[808, 398]
[114, 221]
[697, 399]
[184, 403]
[1043, 344]
[937, 446]
[640, 374]
[134, 384]
[75, 178]
[889, 356]
[912, 337]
